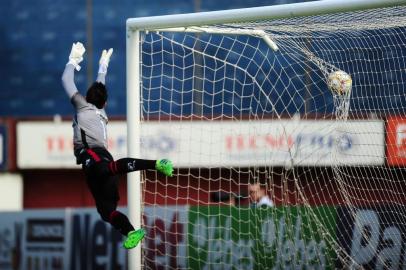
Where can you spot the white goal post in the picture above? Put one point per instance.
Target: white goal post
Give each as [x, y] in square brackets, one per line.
[224, 23]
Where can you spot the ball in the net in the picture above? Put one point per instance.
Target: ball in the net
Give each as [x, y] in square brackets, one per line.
[339, 82]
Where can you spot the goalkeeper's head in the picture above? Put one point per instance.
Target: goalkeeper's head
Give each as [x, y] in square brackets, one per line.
[97, 95]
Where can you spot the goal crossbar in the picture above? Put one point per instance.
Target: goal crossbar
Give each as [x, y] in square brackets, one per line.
[257, 13]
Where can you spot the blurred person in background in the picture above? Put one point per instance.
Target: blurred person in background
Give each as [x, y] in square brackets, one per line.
[90, 146]
[228, 198]
[258, 194]
[223, 198]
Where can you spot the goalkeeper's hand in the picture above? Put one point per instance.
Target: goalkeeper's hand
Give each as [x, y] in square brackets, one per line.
[76, 55]
[104, 60]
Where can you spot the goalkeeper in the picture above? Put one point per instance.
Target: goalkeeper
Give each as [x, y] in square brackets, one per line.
[90, 146]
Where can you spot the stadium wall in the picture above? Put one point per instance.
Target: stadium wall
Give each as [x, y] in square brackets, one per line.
[48, 182]
[61, 188]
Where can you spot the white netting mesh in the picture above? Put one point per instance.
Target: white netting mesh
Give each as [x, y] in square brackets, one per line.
[241, 120]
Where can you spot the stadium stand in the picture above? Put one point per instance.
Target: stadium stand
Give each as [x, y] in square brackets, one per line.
[36, 40]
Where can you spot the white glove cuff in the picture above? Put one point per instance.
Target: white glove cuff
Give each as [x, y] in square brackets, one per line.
[75, 64]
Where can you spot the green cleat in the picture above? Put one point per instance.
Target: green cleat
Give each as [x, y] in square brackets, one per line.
[133, 238]
[164, 166]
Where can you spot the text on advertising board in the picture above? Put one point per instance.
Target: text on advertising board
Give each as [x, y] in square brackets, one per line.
[373, 237]
[396, 140]
[343, 141]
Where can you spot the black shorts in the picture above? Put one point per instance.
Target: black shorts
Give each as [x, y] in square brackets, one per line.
[102, 185]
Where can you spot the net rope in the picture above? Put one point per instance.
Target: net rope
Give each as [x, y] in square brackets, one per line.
[231, 112]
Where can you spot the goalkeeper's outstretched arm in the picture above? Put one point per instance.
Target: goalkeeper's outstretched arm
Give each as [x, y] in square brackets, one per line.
[103, 65]
[68, 81]
[75, 57]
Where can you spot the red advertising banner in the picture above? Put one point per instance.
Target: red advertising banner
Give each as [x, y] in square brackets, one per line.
[396, 140]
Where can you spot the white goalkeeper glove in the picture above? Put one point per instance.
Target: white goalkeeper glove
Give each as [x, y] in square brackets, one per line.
[76, 55]
[104, 60]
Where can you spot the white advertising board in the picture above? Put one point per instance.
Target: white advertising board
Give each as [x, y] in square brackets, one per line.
[218, 143]
[266, 143]
[49, 144]
[11, 192]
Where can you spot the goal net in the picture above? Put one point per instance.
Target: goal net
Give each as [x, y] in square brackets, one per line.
[276, 167]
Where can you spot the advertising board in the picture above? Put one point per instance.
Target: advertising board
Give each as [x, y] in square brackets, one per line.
[49, 144]
[272, 238]
[374, 237]
[77, 239]
[217, 143]
[210, 237]
[396, 141]
[33, 240]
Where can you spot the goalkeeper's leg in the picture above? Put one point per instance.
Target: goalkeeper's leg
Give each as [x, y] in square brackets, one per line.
[105, 192]
[122, 224]
[126, 165]
[103, 185]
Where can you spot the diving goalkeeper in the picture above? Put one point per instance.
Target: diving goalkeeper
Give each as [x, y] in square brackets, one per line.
[90, 146]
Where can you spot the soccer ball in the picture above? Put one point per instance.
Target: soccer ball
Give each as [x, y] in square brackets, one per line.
[339, 82]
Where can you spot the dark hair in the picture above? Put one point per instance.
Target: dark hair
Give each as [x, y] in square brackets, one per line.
[97, 95]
